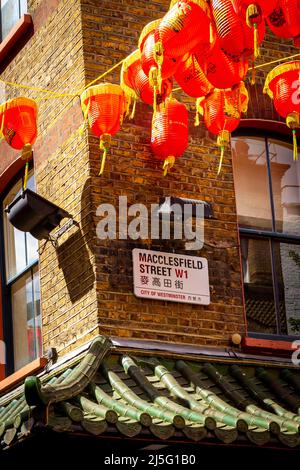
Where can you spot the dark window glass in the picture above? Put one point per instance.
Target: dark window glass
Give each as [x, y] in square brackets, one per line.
[258, 286]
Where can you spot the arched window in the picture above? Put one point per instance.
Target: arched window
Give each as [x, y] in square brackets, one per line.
[21, 289]
[267, 185]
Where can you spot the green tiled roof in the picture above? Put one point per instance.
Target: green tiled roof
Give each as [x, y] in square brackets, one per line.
[107, 392]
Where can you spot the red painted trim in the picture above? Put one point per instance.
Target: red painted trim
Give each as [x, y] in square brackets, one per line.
[21, 374]
[268, 344]
[20, 28]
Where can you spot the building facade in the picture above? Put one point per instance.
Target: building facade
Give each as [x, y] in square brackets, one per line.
[63, 293]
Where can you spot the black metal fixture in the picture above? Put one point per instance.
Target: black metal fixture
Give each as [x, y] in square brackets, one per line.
[176, 208]
[30, 212]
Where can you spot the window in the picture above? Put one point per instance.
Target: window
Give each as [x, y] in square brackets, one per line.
[11, 12]
[22, 312]
[267, 183]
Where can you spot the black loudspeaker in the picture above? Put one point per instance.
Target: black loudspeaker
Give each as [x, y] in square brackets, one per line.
[30, 212]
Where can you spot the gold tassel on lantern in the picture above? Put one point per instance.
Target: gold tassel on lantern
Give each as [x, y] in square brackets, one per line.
[128, 101]
[105, 141]
[295, 145]
[197, 119]
[199, 111]
[293, 122]
[133, 110]
[252, 15]
[253, 74]
[211, 34]
[153, 81]
[130, 107]
[168, 164]
[222, 142]
[27, 156]
[256, 53]
[256, 42]
[130, 94]
[2, 110]
[159, 58]
[26, 175]
[221, 159]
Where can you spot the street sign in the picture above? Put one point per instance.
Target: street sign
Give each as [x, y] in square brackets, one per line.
[170, 277]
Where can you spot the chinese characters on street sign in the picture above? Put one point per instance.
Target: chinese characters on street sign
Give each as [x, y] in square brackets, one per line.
[168, 276]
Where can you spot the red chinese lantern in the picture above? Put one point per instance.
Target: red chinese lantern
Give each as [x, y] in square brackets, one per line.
[185, 25]
[18, 118]
[104, 106]
[155, 65]
[222, 111]
[283, 86]
[284, 21]
[136, 84]
[169, 136]
[220, 70]
[254, 12]
[235, 38]
[191, 78]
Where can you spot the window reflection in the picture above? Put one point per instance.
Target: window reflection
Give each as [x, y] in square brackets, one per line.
[251, 183]
[26, 319]
[286, 187]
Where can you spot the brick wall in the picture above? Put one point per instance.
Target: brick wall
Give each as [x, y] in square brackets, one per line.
[86, 283]
[111, 31]
[53, 58]
[62, 166]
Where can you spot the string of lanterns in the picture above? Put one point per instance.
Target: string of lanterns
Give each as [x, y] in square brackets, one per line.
[209, 63]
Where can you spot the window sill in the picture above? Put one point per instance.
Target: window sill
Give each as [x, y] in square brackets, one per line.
[20, 29]
[21, 374]
[282, 347]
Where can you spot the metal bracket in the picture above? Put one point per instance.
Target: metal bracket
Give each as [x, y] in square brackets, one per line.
[71, 223]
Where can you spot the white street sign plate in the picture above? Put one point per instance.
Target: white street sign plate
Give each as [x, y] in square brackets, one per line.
[169, 276]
